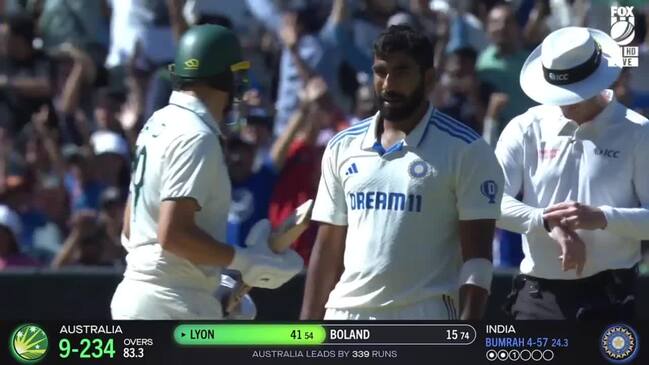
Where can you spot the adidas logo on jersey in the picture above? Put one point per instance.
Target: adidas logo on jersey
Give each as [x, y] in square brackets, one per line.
[352, 169]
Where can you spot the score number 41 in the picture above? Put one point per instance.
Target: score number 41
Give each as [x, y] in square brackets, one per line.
[300, 335]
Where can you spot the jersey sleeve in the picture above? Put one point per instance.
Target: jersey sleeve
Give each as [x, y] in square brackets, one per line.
[190, 168]
[479, 183]
[330, 205]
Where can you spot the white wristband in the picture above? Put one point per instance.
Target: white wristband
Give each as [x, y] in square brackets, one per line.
[477, 271]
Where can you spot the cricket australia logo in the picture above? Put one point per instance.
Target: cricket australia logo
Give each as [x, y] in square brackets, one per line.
[489, 189]
[192, 64]
[28, 344]
[623, 32]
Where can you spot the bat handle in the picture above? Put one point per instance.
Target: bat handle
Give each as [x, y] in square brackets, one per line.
[238, 293]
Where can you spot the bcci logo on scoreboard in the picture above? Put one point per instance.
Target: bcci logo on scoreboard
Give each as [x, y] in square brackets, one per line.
[623, 32]
[619, 344]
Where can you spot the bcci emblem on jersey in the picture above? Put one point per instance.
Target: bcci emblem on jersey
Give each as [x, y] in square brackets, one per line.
[623, 32]
[418, 169]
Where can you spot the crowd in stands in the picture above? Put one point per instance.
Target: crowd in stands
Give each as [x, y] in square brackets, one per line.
[79, 78]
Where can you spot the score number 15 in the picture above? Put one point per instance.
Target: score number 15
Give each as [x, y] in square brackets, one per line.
[455, 334]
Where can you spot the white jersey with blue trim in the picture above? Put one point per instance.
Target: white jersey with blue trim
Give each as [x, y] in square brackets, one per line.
[402, 206]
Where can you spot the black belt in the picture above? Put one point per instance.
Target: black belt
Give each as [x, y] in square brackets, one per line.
[599, 280]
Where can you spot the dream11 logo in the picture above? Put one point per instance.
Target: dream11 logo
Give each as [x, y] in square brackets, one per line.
[623, 32]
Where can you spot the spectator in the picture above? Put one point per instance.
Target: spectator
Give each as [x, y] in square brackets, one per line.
[460, 93]
[258, 131]
[84, 190]
[49, 196]
[111, 217]
[86, 244]
[10, 230]
[297, 154]
[112, 154]
[546, 16]
[364, 103]
[499, 66]
[75, 78]
[25, 73]
[467, 26]
[350, 34]
[40, 236]
[307, 52]
[369, 21]
[108, 104]
[124, 29]
[82, 23]
[251, 189]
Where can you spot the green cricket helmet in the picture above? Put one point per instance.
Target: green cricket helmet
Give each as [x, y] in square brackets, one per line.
[211, 52]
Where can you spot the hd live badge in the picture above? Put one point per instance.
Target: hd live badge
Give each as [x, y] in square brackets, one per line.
[623, 32]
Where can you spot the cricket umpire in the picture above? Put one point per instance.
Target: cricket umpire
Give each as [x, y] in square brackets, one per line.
[580, 163]
[176, 218]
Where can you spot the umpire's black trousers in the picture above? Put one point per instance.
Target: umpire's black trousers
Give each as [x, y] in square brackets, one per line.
[608, 295]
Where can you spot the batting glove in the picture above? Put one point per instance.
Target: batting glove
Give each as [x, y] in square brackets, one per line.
[259, 266]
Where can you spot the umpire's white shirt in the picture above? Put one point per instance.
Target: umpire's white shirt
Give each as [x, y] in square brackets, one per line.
[402, 208]
[549, 159]
[179, 155]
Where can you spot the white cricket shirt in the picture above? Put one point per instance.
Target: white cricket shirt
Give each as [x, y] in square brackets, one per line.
[402, 207]
[550, 159]
[178, 155]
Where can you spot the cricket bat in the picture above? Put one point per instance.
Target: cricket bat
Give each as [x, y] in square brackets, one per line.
[280, 241]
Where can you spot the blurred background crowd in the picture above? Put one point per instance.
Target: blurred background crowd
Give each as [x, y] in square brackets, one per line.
[79, 78]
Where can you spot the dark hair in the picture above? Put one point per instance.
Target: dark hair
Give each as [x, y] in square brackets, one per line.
[13, 245]
[22, 25]
[307, 17]
[235, 141]
[466, 52]
[498, 4]
[217, 19]
[402, 38]
[107, 94]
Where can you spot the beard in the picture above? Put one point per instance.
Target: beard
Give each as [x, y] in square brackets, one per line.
[406, 104]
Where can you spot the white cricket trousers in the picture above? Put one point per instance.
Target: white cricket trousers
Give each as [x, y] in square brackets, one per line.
[440, 307]
[142, 300]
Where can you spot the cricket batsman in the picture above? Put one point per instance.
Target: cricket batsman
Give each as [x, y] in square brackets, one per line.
[175, 220]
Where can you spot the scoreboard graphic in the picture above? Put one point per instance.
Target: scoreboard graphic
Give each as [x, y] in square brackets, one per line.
[335, 342]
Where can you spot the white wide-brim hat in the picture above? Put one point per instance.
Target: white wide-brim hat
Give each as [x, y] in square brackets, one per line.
[567, 69]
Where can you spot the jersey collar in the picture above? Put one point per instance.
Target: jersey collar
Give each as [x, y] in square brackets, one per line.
[194, 105]
[371, 141]
[609, 114]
